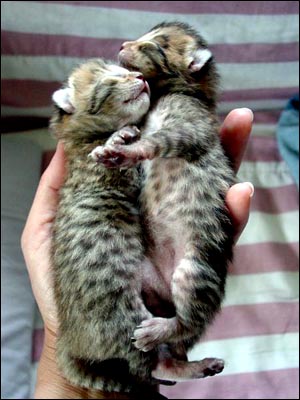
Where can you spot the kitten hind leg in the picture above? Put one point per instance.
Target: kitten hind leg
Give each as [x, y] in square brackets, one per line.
[176, 370]
[197, 292]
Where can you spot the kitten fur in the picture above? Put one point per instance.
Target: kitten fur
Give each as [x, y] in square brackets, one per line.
[97, 245]
[186, 178]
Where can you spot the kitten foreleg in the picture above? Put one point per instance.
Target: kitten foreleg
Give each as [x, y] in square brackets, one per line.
[124, 136]
[164, 143]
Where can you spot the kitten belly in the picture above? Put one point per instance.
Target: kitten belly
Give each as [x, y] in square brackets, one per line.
[167, 241]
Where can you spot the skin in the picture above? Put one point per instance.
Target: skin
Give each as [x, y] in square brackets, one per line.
[36, 240]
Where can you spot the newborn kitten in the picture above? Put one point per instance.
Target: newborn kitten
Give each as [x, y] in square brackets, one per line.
[97, 244]
[186, 178]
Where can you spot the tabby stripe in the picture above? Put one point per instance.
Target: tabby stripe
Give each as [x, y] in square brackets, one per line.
[98, 100]
[152, 57]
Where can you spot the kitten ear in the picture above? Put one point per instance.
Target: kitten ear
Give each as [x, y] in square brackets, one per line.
[200, 58]
[62, 98]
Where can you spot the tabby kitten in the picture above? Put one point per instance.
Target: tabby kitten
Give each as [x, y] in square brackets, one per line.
[97, 237]
[186, 177]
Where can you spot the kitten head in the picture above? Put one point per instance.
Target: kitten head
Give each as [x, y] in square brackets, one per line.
[172, 50]
[101, 93]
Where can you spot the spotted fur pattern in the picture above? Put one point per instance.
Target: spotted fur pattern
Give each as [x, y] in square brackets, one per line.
[186, 177]
[97, 241]
[98, 246]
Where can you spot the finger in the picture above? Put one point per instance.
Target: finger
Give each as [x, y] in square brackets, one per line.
[235, 132]
[238, 200]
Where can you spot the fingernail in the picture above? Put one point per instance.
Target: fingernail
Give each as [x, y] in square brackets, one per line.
[248, 111]
[250, 185]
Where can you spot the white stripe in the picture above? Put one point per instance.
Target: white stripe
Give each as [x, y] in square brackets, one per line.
[268, 287]
[46, 68]
[252, 353]
[40, 68]
[259, 75]
[277, 228]
[263, 129]
[265, 174]
[130, 24]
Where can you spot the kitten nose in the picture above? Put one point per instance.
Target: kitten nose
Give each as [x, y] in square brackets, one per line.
[140, 76]
[124, 45]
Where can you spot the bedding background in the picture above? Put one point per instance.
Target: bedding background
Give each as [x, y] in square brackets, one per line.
[256, 46]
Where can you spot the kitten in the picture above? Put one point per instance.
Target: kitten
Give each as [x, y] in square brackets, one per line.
[97, 244]
[186, 177]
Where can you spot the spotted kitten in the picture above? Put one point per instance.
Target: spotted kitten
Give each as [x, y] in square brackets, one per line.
[97, 237]
[186, 177]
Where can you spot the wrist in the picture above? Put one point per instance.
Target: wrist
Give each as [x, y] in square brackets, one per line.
[50, 382]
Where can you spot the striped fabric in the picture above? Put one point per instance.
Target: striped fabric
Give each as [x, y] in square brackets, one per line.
[256, 45]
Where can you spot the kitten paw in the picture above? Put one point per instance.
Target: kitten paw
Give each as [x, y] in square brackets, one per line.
[214, 366]
[151, 333]
[102, 155]
[116, 156]
[126, 135]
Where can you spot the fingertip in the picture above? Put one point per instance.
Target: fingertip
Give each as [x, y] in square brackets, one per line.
[238, 200]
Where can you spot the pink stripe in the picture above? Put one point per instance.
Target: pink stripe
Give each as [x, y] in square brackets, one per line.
[253, 320]
[34, 93]
[72, 46]
[37, 344]
[261, 116]
[261, 148]
[259, 94]
[276, 200]
[30, 93]
[275, 384]
[201, 7]
[265, 257]
[59, 45]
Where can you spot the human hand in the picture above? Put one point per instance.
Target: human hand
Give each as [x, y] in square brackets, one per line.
[235, 132]
[36, 237]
